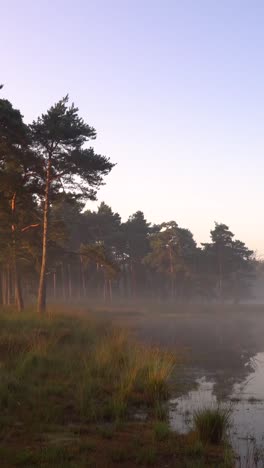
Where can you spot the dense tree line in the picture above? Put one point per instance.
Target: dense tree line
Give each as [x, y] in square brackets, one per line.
[51, 246]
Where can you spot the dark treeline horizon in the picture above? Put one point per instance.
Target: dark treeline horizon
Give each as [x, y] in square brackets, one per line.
[50, 247]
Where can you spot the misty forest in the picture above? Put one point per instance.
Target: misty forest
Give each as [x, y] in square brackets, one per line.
[55, 249]
[131, 234]
[112, 329]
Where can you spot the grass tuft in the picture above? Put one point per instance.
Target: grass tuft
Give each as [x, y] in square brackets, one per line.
[211, 424]
[161, 431]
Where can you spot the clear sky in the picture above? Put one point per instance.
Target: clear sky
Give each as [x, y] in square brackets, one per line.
[174, 88]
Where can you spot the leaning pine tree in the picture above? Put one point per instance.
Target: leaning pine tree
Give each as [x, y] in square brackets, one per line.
[58, 138]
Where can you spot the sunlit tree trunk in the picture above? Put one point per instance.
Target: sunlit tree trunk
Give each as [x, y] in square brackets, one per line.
[42, 279]
[17, 282]
[9, 286]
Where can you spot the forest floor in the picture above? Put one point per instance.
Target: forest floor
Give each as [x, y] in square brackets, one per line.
[77, 391]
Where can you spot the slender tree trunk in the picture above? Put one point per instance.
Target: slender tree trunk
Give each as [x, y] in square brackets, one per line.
[42, 279]
[220, 275]
[133, 280]
[172, 273]
[63, 292]
[80, 279]
[110, 291]
[17, 288]
[2, 287]
[17, 283]
[69, 280]
[9, 286]
[55, 284]
[83, 281]
[105, 289]
[18, 292]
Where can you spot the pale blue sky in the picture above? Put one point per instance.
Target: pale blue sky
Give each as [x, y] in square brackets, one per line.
[175, 89]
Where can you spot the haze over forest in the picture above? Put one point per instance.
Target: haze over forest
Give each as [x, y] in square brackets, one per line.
[47, 174]
[175, 92]
[132, 234]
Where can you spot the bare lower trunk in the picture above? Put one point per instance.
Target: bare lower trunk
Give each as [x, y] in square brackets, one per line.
[172, 273]
[220, 275]
[18, 292]
[84, 289]
[54, 285]
[105, 289]
[8, 286]
[3, 288]
[63, 292]
[110, 291]
[17, 282]
[80, 280]
[69, 281]
[42, 279]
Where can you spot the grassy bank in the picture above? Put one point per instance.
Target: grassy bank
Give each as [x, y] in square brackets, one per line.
[70, 388]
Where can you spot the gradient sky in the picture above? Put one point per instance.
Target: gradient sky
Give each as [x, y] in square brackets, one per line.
[174, 88]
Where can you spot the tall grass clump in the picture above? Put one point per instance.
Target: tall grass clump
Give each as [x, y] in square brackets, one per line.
[159, 366]
[125, 373]
[211, 424]
[87, 370]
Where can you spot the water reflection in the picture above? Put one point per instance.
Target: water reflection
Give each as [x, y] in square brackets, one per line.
[247, 402]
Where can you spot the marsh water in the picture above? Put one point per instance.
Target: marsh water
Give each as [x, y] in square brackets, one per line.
[222, 352]
[246, 403]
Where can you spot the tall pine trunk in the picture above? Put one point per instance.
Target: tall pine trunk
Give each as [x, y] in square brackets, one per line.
[18, 292]
[220, 274]
[55, 284]
[8, 285]
[69, 281]
[63, 289]
[42, 279]
[3, 287]
[17, 283]
[110, 291]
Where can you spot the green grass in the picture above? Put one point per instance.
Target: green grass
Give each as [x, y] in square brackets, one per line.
[70, 386]
[86, 370]
[211, 424]
[161, 411]
[146, 456]
[161, 430]
[196, 449]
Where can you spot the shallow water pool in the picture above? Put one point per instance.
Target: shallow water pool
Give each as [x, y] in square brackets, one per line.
[246, 400]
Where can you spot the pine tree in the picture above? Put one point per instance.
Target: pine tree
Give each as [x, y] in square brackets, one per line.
[59, 137]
